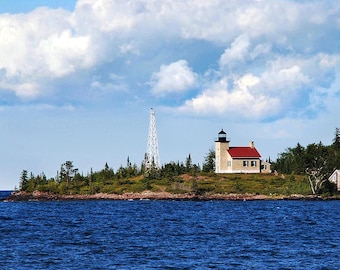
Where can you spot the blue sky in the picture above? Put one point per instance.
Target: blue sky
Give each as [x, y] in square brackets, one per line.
[78, 79]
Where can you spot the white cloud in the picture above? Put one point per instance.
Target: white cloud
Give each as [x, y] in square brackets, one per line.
[114, 83]
[175, 77]
[247, 61]
[260, 49]
[288, 79]
[268, 94]
[233, 103]
[20, 36]
[236, 52]
[243, 51]
[26, 90]
[24, 65]
[64, 53]
[45, 45]
[105, 15]
[282, 86]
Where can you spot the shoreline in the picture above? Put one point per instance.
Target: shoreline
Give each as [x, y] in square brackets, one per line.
[149, 195]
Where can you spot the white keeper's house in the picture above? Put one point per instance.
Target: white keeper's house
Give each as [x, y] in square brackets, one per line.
[239, 159]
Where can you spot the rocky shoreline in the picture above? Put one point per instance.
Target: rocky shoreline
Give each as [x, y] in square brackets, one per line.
[149, 195]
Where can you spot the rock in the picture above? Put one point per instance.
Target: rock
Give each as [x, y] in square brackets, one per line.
[150, 195]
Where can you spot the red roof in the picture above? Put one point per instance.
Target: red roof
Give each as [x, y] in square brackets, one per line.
[243, 152]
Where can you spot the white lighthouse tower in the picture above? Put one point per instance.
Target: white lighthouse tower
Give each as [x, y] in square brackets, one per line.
[221, 148]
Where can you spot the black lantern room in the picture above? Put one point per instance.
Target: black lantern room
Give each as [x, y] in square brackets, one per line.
[222, 136]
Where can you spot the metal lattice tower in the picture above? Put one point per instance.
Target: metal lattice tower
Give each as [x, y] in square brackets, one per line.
[152, 154]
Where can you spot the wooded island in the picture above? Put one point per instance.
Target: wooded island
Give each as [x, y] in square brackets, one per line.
[299, 170]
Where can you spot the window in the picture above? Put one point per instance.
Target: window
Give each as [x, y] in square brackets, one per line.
[229, 163]
[253, 163]
[245, 163]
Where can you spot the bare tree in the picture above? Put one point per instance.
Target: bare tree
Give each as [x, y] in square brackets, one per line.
[316, 179]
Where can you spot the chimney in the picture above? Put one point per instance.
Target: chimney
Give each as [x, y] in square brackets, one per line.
[251, 144]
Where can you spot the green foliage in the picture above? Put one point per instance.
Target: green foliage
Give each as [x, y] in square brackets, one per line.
[209, 162]
[179, 177]
[106, 182]
[23, 184]
[296, 160]
[188, 163]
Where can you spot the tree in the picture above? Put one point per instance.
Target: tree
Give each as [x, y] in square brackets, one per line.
[195, 168]
[24, 180]
[131, 170]
[284, 162]
[67, 172]
[128, 163]
[188, 163]
[336, 140]
[209, 162]
[316, 155]
[297, 159]
[334, 152]
[316, 179]
[298, 156]
[169, 171]
[107, 173]
[91, 180]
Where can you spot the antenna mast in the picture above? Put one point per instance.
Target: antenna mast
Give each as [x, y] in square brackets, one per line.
[152, 154]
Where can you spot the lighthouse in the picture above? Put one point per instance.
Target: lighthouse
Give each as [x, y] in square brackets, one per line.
[237, 159]
[221, 148]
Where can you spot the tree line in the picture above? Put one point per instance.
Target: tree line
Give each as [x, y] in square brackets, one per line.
[316, 160]
[315, 156]
[70, 180]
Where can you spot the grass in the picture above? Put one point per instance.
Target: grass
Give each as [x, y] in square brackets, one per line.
[266, 184]
[253, 183]
[222, 184]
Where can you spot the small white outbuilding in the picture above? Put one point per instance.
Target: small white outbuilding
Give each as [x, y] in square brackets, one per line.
[335, 178]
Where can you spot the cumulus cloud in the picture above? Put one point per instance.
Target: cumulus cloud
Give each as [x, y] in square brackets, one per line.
[286, 82]
[175, 77]
[242, 50]
[236, 52]
[271, 41]
[28, 52]
[241, 100]
[21, 35]
[64, 53]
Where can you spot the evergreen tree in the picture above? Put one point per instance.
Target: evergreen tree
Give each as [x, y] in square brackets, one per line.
[336, 140]
[315, 156]
[67, 173]
[106, 167]
[209, 162]
[107, 173]
[298, 161]
[334, 151]
[188, 163]
[23, 180]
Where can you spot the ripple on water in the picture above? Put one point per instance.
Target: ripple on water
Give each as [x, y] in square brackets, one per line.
[170, 235]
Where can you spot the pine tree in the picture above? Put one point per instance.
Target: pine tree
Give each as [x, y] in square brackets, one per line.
[209, 162]
[188, 163]
[336, 140]
[23, 180]
[334, 151]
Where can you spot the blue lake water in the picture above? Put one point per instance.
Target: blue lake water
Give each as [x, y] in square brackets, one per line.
[5, 193]
[170, 235]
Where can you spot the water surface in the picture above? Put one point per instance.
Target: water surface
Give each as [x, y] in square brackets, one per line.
[170, 235]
